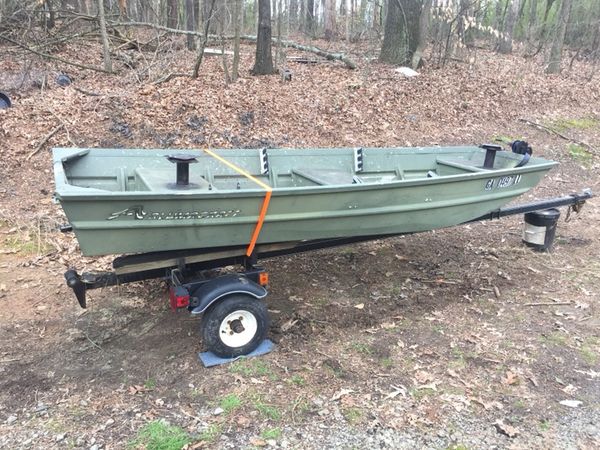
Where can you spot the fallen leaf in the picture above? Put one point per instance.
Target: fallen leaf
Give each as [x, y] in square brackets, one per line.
[136, 389]
[423, 377]
[458, 402]
[510, 378]
[507, 430]
[243, 421]
[289, 324]
[340, 394]
[487, 405]
[397, 390]
[258, 442]
[570, 389]
[452, 373]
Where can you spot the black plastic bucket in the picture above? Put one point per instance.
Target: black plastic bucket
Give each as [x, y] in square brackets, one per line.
[540, 228]
[4, 101]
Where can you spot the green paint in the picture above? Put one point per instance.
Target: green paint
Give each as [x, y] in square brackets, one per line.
[123, 201]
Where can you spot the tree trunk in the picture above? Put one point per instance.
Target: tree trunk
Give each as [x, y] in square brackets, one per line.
[190, 21]
[293, 14]
[500, 14]
[237, 25]
[329, 20]
[310, 16]
[361, 14]
[123, 9]
[278, 53]
[349, 17]
[172, 13]
[263, 64]
[377, 7]
[104, 34]
[423, 34]
[559, 38]
[207, 13]
[533, 4]
[464, 12]
[401, 31]
[506, 42]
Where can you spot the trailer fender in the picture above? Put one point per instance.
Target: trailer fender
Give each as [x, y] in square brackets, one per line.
[219, 288]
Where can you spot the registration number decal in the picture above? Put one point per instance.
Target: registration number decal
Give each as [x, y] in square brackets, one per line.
[502, 182]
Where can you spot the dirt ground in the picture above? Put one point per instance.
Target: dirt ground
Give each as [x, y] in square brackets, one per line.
[458, 338]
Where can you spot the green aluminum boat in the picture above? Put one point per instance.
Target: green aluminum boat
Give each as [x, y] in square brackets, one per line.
[138, 201]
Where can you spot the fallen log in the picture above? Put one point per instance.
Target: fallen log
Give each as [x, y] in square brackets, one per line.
[316, 50]
[289, 44]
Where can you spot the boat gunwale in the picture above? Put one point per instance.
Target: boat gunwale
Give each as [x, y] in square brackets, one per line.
[67, 191]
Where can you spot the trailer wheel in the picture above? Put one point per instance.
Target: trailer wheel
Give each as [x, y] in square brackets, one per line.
[235, 326]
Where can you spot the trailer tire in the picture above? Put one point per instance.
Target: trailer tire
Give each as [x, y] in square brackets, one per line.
[235, 326]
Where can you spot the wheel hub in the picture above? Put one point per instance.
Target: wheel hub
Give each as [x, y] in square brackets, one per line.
[238, 328]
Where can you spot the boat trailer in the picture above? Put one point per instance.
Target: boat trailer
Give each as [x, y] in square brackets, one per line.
[234, 320]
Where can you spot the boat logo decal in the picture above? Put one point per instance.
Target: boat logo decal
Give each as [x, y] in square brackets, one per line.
[137, 212]
[502, 182]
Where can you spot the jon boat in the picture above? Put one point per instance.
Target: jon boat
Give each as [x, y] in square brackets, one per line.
[179, 216]
[139, 201]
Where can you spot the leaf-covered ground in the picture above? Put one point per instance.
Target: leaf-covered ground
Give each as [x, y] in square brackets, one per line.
[460, 338]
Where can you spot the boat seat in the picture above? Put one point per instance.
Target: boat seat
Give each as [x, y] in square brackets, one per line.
[162, 179]
[327, 176]
[460, 163]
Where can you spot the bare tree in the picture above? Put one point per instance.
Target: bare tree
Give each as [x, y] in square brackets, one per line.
[208, 19]
[544, 26]
[122, 9]
[237, 25]
[329, 19]
[506, 39]
[190, 22]
[263, 64]
[401, 31]
[172, 13]
[293, 12]
[423, 33]
[559, 38]
[533, 18]
[104, 34]
[310, 16]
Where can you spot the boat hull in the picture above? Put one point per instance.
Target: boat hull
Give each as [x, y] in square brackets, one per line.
[131, 222]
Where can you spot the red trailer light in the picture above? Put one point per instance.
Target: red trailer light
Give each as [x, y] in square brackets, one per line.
[179, 297]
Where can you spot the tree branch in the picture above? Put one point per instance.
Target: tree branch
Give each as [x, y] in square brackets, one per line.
[55, 58]
[587, 147]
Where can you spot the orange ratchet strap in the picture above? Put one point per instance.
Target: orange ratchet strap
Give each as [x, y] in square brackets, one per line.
[265, 204]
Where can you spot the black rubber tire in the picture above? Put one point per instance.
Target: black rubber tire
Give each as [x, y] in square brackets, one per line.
[216, 313]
